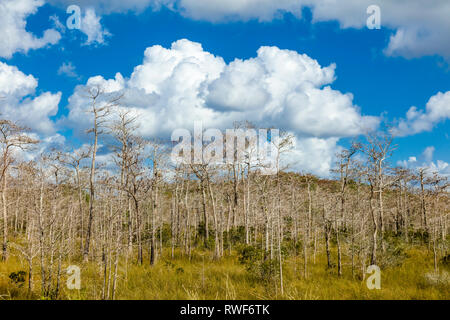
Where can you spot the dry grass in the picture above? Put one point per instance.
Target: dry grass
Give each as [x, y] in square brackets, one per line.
[203, 278]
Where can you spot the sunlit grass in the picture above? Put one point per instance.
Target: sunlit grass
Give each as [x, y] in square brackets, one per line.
[202, 277]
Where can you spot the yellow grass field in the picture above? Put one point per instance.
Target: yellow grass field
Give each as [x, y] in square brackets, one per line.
[203, 278]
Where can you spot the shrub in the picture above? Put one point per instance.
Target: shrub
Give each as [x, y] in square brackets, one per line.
[179, 270]
[257, 263]
[445, 261]
[18, 277]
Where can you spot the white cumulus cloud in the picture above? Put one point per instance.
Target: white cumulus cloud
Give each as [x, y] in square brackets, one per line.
[15, 37]
[68, 69]
[437, 110]
[92, 28]
[20, 103]
[174, 87]
[427, 162]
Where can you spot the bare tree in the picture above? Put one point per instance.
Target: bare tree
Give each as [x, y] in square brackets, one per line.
[377, 150]
[12, 137]
[101, 105]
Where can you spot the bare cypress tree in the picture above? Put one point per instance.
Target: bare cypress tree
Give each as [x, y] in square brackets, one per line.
[101, 104]
[421, 177]
[378, 149]
[158, 160]
[12, 137]
[344, 171]
[74, 160]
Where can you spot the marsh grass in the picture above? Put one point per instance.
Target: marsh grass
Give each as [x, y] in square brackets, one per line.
[202, 277]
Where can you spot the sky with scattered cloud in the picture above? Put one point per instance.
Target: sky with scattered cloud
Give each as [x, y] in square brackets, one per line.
[310, 67]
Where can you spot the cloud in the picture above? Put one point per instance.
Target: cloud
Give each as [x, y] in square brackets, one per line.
[57, 24]
[46, 144]
[20, 102]
[312, 155]
[175, 87]
[286, 88]
[92, 28]
[15, 37]
[417, 121]
[427, 161]
[115, 6]
[428, 153]
[69, 70]
[217, 10]
[419, 28]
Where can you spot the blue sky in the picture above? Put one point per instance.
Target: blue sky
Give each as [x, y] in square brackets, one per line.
[384, 85]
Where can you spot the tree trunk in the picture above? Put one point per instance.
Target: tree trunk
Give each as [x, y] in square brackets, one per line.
[92, 193]
[5, 219]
